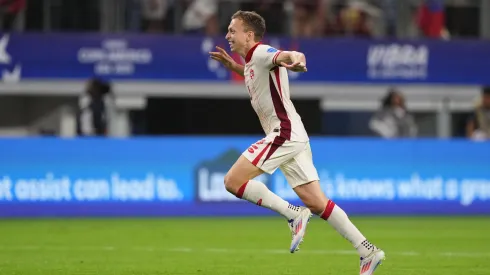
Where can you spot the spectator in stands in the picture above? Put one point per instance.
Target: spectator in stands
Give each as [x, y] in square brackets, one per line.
[10, 10]
[431, 19]
[154, 12]
[393, 120]
[355, 18]
[308, 18]
[478, 126]
[92, 117]
[201, 17]
[272, 11]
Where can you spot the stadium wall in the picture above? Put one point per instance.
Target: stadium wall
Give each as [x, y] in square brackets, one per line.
[183, 176]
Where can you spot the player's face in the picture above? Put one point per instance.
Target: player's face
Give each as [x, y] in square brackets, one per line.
[237, 36]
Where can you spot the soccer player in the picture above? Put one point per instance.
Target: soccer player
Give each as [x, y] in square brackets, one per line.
[286, 144]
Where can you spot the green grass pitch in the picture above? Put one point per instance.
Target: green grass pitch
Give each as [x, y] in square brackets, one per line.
[422, 245]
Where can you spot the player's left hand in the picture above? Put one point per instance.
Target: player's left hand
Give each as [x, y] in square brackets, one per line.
[295, 66]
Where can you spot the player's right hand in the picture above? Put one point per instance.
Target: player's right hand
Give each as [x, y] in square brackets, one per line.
[223, 57]
[298, 62]
[295, 67]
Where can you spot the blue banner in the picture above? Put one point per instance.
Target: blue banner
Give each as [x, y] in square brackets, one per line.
[182, 176]
[181, 58]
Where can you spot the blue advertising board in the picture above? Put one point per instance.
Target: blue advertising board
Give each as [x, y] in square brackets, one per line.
[185, 58]
[183, 176]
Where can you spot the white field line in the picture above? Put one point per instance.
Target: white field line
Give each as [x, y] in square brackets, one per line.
[237, 251]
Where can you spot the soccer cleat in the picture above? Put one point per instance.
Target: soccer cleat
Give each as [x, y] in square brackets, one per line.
[298, 228]
[371, 262]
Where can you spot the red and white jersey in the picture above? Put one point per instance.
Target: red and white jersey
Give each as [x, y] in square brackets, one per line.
[268, 87]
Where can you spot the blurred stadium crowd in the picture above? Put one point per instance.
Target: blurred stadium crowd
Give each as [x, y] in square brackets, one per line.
[297, 18]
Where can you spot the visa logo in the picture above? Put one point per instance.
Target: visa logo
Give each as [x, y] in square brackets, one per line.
[395, 55]
[397, 61]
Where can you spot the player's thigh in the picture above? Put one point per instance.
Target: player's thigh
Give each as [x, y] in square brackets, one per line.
[271, 152]
[241, 171]
[302, 176]
[300, 170]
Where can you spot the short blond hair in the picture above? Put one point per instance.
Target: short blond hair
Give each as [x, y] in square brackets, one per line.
[252, 22]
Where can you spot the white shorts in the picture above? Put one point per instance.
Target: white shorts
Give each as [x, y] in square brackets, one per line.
[294, 158]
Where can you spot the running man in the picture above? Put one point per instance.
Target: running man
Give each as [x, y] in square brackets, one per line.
[286, 144]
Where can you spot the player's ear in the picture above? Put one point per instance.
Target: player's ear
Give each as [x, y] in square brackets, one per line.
[250, 36]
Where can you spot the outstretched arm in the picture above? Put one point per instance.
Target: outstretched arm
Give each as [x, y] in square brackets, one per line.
[224, 58]
[292, 60]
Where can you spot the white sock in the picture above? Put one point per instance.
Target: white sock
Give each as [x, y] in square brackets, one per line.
[339, 220]
[256, 192]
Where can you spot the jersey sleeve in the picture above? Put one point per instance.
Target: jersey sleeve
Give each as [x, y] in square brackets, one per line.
[267, 56]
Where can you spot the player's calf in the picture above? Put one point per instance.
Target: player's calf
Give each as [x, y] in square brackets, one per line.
[316, 206]
[238, 181]
[339, 220]
[256, 192]
[314, 198]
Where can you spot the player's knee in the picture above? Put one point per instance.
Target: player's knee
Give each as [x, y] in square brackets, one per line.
[230, 184]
